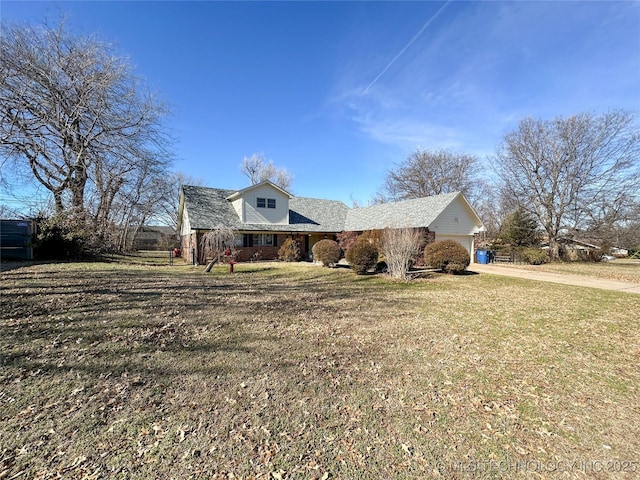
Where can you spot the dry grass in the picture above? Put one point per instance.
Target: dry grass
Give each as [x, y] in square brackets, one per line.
[297, 371]
[623, 269]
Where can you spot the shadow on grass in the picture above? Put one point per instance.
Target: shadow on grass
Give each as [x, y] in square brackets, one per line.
[341, 265]
[466, 273]
[8, 265]
[165, 350]
[239, 270]
[98, 320]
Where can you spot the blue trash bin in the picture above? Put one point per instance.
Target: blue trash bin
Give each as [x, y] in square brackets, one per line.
[482, 257]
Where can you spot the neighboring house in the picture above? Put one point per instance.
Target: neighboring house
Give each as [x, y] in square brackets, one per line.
[575, 250]
[264, 215]
[619, 252]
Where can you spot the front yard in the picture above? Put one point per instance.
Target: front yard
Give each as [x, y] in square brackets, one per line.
[295, 371]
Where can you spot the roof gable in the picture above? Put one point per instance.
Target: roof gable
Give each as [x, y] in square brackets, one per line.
[266, 183]
[458, 218]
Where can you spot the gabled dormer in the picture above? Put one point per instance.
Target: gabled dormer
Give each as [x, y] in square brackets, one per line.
[263, 203]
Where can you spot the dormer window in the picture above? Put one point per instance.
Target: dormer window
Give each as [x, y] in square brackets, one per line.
[266, 202]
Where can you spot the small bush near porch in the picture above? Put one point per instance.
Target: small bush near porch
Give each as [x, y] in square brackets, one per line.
[327, 251]
[289, 251]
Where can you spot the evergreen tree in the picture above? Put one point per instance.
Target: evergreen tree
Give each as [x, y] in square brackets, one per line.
[520, 229]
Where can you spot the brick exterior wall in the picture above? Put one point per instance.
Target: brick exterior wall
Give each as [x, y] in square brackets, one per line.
[246, 254]
[187, 244]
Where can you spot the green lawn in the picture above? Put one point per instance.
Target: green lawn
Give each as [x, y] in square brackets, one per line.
[112, 370]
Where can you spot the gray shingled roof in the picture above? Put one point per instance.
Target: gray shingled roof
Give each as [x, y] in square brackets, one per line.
[326, 215]
[209, 207]
[418, 212]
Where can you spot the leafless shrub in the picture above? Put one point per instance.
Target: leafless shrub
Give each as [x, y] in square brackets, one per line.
[400, 246]
[216, 243]
[289, 251]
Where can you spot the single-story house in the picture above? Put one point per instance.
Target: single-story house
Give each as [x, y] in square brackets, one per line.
[619, 251]
[264, 215]
[573, 249]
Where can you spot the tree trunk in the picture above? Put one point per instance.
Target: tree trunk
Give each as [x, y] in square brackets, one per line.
[57, 198]
[554, 249]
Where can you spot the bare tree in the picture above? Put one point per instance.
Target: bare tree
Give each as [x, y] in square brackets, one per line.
[401, 246]
[573, 174]
[258, 169]
[168, 205]
[628, 234]
[75, 113]
[252, 167]
[216, 242]
[491, 208]
[426, 173]
[136, 203]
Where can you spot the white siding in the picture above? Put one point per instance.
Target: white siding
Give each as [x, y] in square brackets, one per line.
[185, 227]
[237, 206]
[278, 215]
[456, 219]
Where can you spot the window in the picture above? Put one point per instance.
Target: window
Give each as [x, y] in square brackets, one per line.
[259, 240]
[263, 240]
[265, 202]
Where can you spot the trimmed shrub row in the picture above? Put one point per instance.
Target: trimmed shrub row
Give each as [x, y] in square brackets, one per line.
[534, 256]
[363, 254]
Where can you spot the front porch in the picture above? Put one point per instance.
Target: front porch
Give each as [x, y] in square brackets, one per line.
[254, 246]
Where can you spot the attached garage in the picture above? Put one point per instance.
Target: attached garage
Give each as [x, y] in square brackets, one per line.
[448, 216]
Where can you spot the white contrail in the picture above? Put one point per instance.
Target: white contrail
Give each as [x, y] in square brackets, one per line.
[415, 37]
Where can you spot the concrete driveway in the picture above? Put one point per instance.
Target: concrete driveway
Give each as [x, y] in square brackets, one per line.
[578, 280]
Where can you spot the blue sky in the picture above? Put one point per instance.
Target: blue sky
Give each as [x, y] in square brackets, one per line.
[339, 92]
